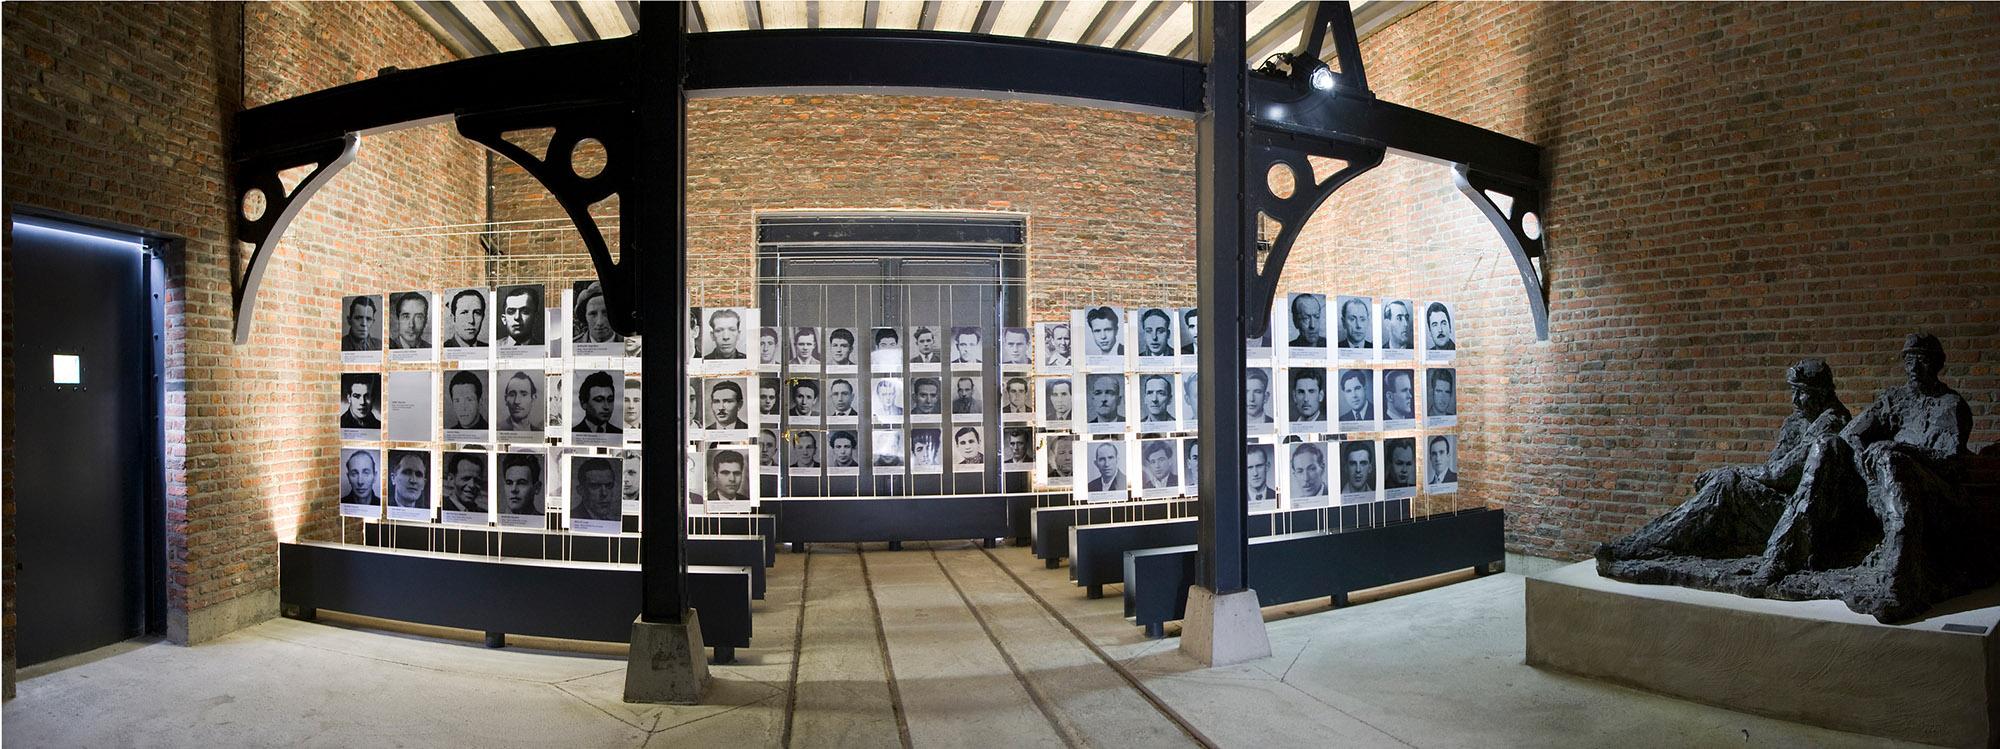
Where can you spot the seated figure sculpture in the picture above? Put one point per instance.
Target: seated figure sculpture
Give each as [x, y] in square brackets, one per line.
[1873, 512]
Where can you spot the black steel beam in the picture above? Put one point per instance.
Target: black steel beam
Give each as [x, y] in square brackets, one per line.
[1281, 106]
[658, 239]
[864, 58]
[1225, 267]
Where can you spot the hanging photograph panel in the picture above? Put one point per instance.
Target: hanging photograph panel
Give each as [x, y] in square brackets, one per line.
[361, 406]
[361, 320]
[518, 332]
[467, 496]
[594, 490]
[361, 482]
[412, 485]
[524, 480]
[468, 325]
[412, 327]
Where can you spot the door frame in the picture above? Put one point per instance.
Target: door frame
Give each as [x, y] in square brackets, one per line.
[157, 249]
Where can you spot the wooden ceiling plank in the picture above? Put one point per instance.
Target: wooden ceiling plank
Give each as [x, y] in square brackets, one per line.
[957, 15]
[548, 22]
[899, 14]
[1076, 20]
[1147, 24]
[605, 17]
[487, 24]
[1178, 26]
[725, 15]
[841, 14]
[784, 14]
[1016, 17]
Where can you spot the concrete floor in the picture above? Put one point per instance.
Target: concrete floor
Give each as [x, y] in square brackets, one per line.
[946, 645]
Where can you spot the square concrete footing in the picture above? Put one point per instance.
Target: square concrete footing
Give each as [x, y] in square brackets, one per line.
[1224, 629]
[1816, 662]
[666, 664]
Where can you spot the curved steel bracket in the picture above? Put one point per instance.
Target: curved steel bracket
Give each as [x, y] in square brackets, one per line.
[611, 125]
[1520, 226]
[259, 175]
[1271, 149]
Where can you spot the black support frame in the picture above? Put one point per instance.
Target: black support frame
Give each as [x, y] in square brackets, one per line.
[630, 94]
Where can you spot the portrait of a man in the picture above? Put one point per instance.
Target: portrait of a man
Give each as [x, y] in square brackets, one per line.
[1308, 396]
[968, 447]
[409, 479]
[1015, 397]
[594, 491]
[597, 404]
[966, 345]
[1107, 466]
[1357, 467]
[520, 315]
[1308, 474]
[1191, 463]
[887, 403]
[590, 318]
[840, 399]
[1399, 398]
[1056, 353]
[1190, 330]
[924, 341]
[768, 351]
[1356, 323]
[360, 478]
[728, 475]
[465, 319]
[1401, 455]
[805, 347]
[725, 406]
[767, 448]
[1308, 321]
[635, 412]
[965, 396]
[1398, 332]
[805, 450]
[1357, 395]
[725, 335]
[1443, 393]
[1257, 395]
[1158, 469]
[887, 355]
[1258, 488]
[805, 398]
[769, 399]
[521, 484]
[926, 450]
[1105, 334]
[1442, 463]
[1060, 458]
[1015, 446]
[1156, 399]
[465, 400]
[1059, 399]
[1105, 394]
[1156, 333]
[1190, 399]
[465, 482]
[411, 326]
[842, 449]
[1438, 333]
[927, 396]
[360, 317]
[840, 347]
[361, 398]
[1013, 347]
[630, 489]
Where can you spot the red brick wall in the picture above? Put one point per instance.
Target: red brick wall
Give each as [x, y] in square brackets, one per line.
[1733, 186]
[119, 112]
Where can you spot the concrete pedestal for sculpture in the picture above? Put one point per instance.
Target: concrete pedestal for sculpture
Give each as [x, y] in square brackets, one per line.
[1224, 629]
[666, 664]
[1933, 680]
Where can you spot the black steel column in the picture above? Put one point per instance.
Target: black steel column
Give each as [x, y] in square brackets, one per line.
[658, 240]
[1225, 259]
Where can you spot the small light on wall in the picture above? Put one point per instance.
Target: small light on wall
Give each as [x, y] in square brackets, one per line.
[1322, 79]
[68, 369]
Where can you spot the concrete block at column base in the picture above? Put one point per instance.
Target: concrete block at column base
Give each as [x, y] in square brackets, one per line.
[666, 663]
[1224, 629]
[1932, 680]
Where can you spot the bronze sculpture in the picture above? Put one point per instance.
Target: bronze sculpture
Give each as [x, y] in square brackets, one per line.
[1874, 511]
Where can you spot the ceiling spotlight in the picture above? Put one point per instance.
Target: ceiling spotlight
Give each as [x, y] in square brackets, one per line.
[1322, 78]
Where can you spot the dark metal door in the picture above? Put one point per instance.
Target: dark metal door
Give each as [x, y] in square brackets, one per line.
[81, 458]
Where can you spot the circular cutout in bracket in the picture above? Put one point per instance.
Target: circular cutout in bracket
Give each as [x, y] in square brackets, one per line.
[587, 158]
[254, 204]
[1281, 180]
[1531, 225]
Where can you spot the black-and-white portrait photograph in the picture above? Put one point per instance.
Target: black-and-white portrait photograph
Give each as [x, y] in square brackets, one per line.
[412, 327]
[468, 324]
[843, 452]
[802, 347]
[803, 393]
[1260, 478]
[590, 332]
[1156, 337]
[594, 491]
[1105, 477]
[1358, 472]
[523, 478]
[1103, 337]
[410, 407]
[885, 354]
[1190, 321]
[557, 396]
[1356, 331]
[1190, 399]
[1054, 353]
[1159, 468]
[1017, 448]
[1440, 332]
[466, 494]
[926, 450]
[926, 399]
[360, 482]
[635, 352]
[926, 348]
[770, 354]
[770, 399]
[1306, 400]
[1058, 402]
[594, 414]
[724, 345]
[968, 345]
[885, 401]
[966, 398]
[1305, 327]
[1399, 474]
[1355, 397]
[518, 334]
[843, 402]
[1257, 345]
[728, 417]
[1399, 398]
[728, 486]
[1398, 338]
[767, 451]
[1104, 403]
[694, 471]
[1441, 398]
[1305, 476]
[1191, 465]
[803, 452]
[361, 329]
[1056, 469]
[1014, 349]
[1157, 410]
[1017, 399]
[1441, 464]
[1259, 411]
[968, 448]
[842, 351]
[467, 409]
[631, 491]
[887, 450]
[360, 406]
[635, 411]
[410, 485]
